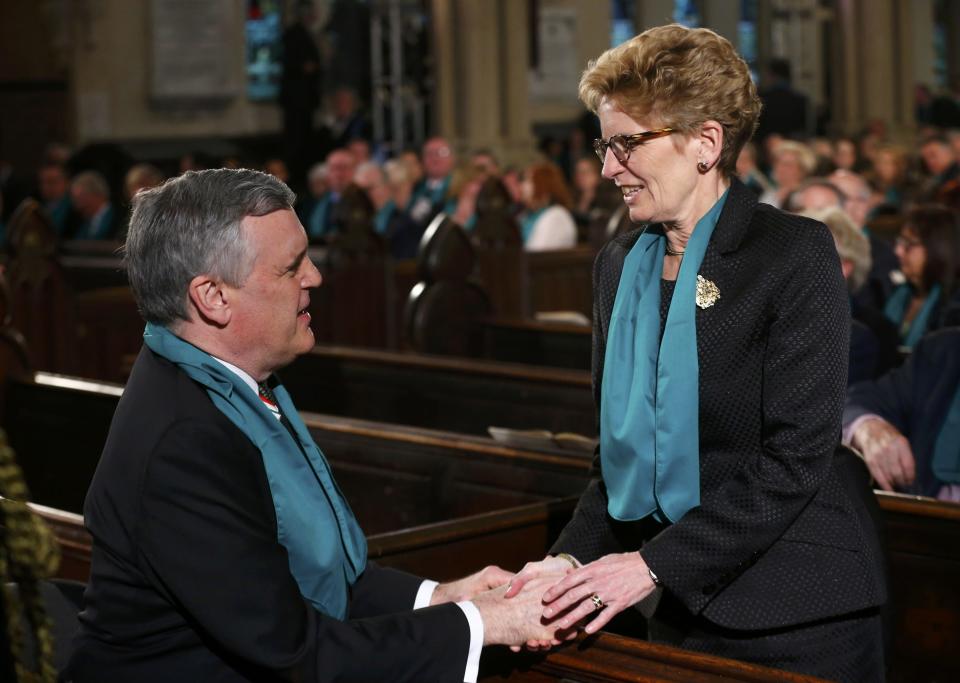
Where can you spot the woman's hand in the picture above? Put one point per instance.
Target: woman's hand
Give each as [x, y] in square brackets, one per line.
[619, 580]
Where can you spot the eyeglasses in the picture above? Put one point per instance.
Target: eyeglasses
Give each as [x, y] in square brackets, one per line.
[622, 145]
[907, 243]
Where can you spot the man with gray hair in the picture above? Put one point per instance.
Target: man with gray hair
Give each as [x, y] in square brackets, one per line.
[90, 196]
[222, 547]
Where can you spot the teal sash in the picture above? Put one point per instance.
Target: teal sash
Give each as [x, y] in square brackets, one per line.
[382, 220]
[318, 222]
[529, 222]
[326, 547]
[896, 309]
[946, 451]
[649, 397]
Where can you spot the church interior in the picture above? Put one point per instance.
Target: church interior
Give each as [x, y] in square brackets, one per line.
[448, 184]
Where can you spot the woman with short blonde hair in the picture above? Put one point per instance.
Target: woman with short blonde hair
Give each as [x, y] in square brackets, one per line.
[726, 509]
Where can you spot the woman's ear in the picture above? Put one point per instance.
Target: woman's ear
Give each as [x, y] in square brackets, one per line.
[711, 143]
[209, 300]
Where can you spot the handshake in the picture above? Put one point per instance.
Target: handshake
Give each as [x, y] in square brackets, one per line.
[547, 602]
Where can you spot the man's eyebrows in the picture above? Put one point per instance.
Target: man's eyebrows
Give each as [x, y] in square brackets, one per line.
[295, 264]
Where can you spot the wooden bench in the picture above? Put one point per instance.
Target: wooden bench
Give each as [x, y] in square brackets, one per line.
[407, 464]
[438, 392]
[559, 345]
[57, 425]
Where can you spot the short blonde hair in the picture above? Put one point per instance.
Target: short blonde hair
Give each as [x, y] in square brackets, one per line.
[852, 244]
[805, 156]
[681, 77]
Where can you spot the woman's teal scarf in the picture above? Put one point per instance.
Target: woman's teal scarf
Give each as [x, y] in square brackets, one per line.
[650, 397]
[529, 222]
[326, 547]
[896, 310]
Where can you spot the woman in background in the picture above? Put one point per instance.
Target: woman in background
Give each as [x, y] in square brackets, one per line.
[547, 223]
[929, 252]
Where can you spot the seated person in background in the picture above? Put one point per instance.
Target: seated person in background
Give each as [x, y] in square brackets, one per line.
[890, 177]
[858, 202]
[401, 233]
[854, 252]
[317, 215]
[942, 166]
[793, 162]
[223, 549]
[547, 223]
[90, 196]
[819, 194]
[593, 197]
[400, 178]
[750, 174]
[54, 186]
[430, 193]
[907, 423]
[462, 193]
[141, 177]
[929, 251]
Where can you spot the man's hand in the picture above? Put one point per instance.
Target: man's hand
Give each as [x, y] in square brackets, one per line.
[518, 621]
[887, 453]
[533, 570]
[467, 588]
[618, 580]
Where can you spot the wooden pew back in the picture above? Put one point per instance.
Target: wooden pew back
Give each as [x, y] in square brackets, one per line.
[441, 393]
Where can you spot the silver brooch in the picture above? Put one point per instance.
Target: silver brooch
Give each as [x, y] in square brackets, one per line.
[707, 292]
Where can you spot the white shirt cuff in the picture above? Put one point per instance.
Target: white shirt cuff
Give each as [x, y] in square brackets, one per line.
[424, 594]
[475, 621]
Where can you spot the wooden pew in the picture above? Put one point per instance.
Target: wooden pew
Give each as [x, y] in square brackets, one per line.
[57, 425]
[923, 554]
[442, 550]
[559, 345]
[439, 392]
[447, 550]
[416, 464]
[609, 658]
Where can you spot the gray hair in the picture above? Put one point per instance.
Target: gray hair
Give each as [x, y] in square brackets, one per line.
[92, 182]
[852, 244]
[192, 225]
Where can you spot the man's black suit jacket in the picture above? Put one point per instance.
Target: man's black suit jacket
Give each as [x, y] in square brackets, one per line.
[189, 582]
[915, 399]
[782, 534]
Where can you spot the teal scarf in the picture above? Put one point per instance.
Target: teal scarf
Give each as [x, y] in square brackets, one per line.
[529, 222]
[319, 220]
[649, 398]
[896, 309]
[326, 547]
[382, 220]
[946, 451]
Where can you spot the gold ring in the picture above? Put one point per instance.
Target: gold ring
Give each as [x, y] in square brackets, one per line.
[597, 602]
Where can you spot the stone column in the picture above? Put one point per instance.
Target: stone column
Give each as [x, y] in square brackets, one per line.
[723, 17]
[480, 57]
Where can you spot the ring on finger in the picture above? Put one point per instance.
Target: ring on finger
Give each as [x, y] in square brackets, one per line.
[597, 602]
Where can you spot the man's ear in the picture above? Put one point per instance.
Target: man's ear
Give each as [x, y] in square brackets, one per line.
[711, 142]
[209, 299]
